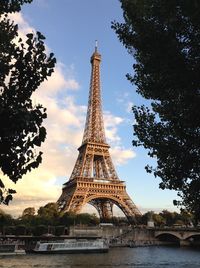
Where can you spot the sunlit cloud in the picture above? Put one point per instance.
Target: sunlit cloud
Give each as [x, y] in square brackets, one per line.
[111, 124]
[58, 82]
[121, 155]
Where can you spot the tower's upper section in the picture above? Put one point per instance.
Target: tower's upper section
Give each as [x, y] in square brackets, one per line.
[94, 126]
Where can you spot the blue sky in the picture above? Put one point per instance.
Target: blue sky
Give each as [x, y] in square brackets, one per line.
[71, 28]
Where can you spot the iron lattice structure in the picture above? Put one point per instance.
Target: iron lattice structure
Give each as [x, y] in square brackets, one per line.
[94, 179]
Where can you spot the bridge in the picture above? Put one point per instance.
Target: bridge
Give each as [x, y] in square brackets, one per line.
[142, 235]
[182, 235]
[146, 236]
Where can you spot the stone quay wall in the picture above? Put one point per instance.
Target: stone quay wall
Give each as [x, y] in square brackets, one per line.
[118, 236]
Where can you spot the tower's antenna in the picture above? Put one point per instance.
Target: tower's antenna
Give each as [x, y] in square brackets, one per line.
[96, 44]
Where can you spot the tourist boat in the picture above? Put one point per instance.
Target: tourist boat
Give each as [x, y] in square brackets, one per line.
[8, 249]
[72, 246]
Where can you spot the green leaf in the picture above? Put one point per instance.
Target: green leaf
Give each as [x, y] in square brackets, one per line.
[8, 199]
[30, 36]
[11, 191]
[40, 36]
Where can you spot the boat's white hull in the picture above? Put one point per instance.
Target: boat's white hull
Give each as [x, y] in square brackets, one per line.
[72, 246]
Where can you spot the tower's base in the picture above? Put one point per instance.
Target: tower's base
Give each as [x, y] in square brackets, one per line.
[99, 193]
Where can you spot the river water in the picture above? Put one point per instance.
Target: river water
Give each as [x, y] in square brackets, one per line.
[153, 257]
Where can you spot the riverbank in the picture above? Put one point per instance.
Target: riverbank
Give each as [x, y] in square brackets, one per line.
[142, 236]
[125, 236]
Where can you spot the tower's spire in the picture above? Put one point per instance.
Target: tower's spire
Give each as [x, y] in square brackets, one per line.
[94, 126]
[96, 45]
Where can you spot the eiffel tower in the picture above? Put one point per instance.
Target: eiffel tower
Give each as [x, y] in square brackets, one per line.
[94, 179]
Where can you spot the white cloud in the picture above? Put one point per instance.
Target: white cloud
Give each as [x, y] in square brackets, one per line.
[111, 124]
[111, 120]
[58, 82]
[121, 155]
[65, 125]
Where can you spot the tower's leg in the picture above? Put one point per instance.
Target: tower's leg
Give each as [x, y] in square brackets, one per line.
[104, 208]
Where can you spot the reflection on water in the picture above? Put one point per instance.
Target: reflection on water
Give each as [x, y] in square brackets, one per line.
[153, 257]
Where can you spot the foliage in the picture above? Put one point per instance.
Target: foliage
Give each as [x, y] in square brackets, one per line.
[20, 230]
[187, 218]
[47, 220]
[48, 213]
[8, 6]
[50, 223]
[60, 230]
[30, 211]
[164, 39]
[5, 219]
[159, 220]
[40, 230]
[86, 218]
[68, 218]
[24, 65]
[170, 217]
[167, 218]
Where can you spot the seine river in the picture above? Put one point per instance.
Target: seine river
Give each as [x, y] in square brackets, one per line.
[156, 257]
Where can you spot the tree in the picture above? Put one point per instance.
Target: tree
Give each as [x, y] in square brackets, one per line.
[20, 230]
[187, 218]
[24, 65]
[49, 214]
[87, 219]
[164, 39]
[158, 220]
[68, 218]
[30, 211]
[40, 230]
[28, 217]
[169, 217]
[5, 219]
[148, 216]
